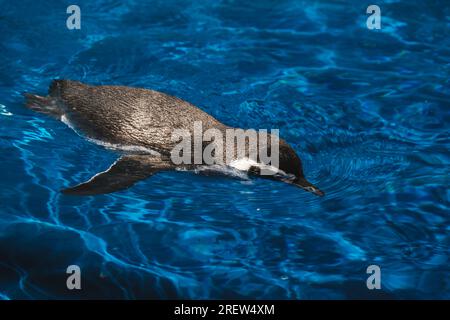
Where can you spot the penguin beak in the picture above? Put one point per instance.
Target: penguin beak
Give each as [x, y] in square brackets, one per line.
[308, 186]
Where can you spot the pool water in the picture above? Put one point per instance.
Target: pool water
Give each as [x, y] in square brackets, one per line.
[367, 111]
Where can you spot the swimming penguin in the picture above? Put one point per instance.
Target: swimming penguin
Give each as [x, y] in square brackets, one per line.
[140, 123]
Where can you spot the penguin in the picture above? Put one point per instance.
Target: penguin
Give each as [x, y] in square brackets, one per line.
[140, 124]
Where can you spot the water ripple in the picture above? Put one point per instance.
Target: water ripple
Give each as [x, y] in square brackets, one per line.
[366, 110]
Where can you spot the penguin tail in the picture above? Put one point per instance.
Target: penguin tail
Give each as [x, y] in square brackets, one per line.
[46, 105]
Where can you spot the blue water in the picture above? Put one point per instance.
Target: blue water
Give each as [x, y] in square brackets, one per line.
[367, 110]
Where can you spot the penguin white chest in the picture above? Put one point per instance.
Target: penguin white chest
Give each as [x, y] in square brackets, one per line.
[243, 164]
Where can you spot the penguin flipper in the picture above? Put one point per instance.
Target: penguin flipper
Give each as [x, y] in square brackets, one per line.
[122, 174]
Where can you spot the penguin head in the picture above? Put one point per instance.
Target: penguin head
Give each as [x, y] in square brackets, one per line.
[290, 163]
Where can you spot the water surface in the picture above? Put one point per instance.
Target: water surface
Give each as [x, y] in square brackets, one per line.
[367, 110]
